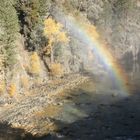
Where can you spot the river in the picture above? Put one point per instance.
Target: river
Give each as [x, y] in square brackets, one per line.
[96, 110]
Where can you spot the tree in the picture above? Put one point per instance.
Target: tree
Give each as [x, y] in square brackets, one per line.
[9, 28]
[55, 34]
[123, 7]
[31, 14]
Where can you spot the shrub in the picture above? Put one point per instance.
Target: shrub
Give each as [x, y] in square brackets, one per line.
[2, 86]
[56, 69]
[12, 89]
[35, 64]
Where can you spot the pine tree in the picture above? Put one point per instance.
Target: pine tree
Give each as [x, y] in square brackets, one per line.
[9, 28]
[31, 14]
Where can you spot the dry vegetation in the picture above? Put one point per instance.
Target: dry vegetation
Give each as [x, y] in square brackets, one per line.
[25, 82]
[2, 86]
[12, 89]
[35, 67]
[56, 69]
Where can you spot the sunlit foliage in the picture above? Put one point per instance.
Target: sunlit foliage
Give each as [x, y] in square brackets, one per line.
[35, 64]
[12, 89]
[2, 86]
[56, 69]
[55, 34]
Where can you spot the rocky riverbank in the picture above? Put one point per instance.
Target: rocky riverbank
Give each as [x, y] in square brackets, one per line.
[74, 108]
[32, 112]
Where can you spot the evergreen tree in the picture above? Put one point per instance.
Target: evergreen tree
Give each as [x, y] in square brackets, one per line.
[123, 7]
[31, 13]
[9, 28]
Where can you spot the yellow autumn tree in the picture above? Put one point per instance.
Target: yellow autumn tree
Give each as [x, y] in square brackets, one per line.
[35, 67]
[12, 89]
[55, 34]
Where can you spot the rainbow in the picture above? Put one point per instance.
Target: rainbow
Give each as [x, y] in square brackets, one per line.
[88, 34]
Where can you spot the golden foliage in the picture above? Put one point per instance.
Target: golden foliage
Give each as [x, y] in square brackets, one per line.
[54, 32]
[47, 49]
[35, 64]
[63, 37]
[51, 27]
[56, 69]
[12, 89]
[2, 86]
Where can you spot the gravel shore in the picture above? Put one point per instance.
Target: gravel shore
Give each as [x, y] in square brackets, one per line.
[26, 112]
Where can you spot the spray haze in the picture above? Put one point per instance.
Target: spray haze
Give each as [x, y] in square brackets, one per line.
[97, 51]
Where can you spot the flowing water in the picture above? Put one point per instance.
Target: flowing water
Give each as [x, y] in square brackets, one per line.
[97, 111]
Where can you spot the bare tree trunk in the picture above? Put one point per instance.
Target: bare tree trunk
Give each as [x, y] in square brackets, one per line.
[45, 63]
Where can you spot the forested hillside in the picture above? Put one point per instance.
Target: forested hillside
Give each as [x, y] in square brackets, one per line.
[35, 41]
